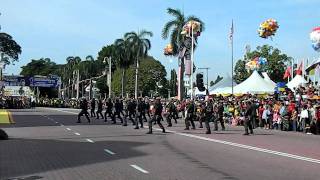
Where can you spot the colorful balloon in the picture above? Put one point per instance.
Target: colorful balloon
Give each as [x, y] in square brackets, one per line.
[168, 50]
[256, 63]
[187, 28]
[315, 38]
[268, 28]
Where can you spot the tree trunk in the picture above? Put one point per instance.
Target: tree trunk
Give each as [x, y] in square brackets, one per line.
[122, 81]
[181, 82]
[136, 81]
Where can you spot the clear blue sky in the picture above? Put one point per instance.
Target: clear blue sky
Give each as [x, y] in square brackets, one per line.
[61, 28]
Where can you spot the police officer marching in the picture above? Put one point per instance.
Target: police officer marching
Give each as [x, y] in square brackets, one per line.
[84, 110]
[93, 107]
[157, 114]
[118, 109]
[190, 111]
[208, 111]
[139, 112]
[100, 107]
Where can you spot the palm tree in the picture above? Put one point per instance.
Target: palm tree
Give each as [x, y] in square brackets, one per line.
[139, 45]
[124, 59]
[72, 67]
[173, 29]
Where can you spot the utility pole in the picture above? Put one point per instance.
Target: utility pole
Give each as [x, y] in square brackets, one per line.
[109, 77]
[105, 59]
[207, 69]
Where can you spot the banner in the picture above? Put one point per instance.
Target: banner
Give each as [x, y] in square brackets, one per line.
[43, 81]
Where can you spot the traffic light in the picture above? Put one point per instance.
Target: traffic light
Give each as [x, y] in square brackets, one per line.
[199, 82]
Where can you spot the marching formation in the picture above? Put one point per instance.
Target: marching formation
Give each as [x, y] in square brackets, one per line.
[154, 111]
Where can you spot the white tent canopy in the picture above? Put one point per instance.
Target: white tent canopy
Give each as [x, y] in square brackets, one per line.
[197, 92]
[267, 78]
[296, 81]
[222, 85]
[255, 84]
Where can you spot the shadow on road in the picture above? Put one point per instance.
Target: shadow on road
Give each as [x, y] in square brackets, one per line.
[19, 157]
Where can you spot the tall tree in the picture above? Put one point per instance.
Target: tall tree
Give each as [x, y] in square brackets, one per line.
[139, 45]
[72, 67]
[275, 66]
[173, 29]
[173, 82]
[125, 59]
[9, 49]
[153, 71]
[42, 66]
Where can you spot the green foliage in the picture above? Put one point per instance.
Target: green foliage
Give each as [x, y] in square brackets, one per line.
[104, 53]
[276, 66]
[9, 49]
[240, 72]
[42, 66]
[211, 83]
[150, 70]
[174, 27]
[218, 79]
[173, 83]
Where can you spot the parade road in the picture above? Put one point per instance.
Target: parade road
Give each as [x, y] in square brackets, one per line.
[47, 143]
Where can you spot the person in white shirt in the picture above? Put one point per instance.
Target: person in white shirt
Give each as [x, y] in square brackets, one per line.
[265, 116]
[304, 115]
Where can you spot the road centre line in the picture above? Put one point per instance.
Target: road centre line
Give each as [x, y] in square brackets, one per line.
[139, 169]
[89, 140]
[236, 145]
[68, 129]
[247, 147]
[78, 134]
[110, 152]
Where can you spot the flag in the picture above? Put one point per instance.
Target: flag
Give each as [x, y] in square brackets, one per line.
[299, 70]
[317, 69]
[231, 32]
[287, 73]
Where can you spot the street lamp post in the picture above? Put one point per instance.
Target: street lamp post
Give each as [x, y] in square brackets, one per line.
[105, 59]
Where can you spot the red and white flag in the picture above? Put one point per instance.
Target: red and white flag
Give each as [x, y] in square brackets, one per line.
[287, 73]
[299, 70]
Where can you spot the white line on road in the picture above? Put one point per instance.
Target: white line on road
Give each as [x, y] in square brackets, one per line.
[68, 129]
[89, 140]
[78, 134]
[248, 147]
[139, 168]
[61, 125]
[110, 152]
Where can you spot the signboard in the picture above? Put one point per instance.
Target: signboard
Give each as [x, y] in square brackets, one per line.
[44, 82]
[17, 91]
[16, 81]
[36, 81]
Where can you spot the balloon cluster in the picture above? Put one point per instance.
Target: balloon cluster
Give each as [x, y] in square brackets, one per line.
[315, 38]
[256, 63]
[192, 25]
[168, 50]
[268, 28]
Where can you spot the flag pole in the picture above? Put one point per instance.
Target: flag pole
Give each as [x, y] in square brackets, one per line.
[231, 36]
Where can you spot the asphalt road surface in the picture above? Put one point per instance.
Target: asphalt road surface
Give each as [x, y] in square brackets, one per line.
[46, 143]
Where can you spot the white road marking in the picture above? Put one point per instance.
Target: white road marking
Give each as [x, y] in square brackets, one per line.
[139, 169]
[110, 152]
[247, 147]
[61, 125]
[77, 134]
[89, 140]
[68, 129]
